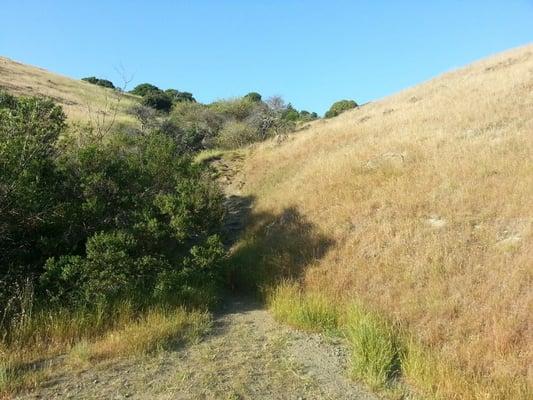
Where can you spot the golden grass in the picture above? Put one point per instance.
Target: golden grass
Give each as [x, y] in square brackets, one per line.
[82, 101]
[38, 345]
[157, 330]
[427, 197]
[308, 311]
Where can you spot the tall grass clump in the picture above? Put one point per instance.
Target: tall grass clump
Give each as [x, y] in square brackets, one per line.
[309, 311]
[375, 348]
[158, 329]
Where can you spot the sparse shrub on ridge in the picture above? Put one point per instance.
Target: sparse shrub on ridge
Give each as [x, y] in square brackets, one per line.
[100, 82]
[253, 96]
[144, 88]
[339, 107]
[177, 96]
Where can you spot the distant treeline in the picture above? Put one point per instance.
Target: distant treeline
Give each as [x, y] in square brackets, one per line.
[163, 100]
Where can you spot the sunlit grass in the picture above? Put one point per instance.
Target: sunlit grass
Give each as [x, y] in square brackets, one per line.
[425, 197]
[84, 337]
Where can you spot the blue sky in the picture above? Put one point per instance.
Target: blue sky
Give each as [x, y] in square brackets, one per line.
[310, 52]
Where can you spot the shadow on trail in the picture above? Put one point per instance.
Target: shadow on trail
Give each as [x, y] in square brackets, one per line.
[264, 248]
[270, 247]
[237, 214]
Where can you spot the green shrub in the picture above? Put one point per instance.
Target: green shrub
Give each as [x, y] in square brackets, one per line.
[144, 88]
[157, 100]
[290, 114]
[177, 96]
[253, 97]
[308, 116]
[100, 82]
[199, 123]
[101, 222]
[91, 79]
[115, 268]
[339, 107]
[236, 134]
[30, 187]
[237, 109]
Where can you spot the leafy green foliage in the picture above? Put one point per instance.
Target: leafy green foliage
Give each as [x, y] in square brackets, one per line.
[128, 218]
[236, 134]
[144, 88]
[253, 97]
[227, 123]
[177, 96]
[339, 107]
[161, 100]
[100, 82]
[199, 124]
[308, 116]
[29, 185]
[236, 109]
[158, 101]
[290, 114]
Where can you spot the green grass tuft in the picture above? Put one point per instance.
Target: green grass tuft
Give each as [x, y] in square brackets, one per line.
[376, 350]
[309, 311]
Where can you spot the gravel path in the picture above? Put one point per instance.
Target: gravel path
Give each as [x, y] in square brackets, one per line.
[248, 355]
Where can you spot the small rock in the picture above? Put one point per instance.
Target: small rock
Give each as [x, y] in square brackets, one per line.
[437, 222]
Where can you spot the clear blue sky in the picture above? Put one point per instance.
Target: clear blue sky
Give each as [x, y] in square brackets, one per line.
[310, 52]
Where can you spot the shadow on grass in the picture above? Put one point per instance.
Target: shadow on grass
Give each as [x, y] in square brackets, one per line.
[273, 247]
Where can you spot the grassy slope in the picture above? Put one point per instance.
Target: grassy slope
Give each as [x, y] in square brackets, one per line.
[422, 202]
[82, 101]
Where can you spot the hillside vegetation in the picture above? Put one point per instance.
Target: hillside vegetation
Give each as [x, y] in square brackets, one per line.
[407, 224]
[402, 226]
[81, 100]
[111, 234]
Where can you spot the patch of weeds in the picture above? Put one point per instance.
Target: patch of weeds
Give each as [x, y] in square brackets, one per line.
[159, 329]
[79, 354]
[308, 311]
[375, 348]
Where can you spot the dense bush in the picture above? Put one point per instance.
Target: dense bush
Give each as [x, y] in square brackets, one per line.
[339, 107]
[144, 88]
[100, 82]
[238, 109]
[237, 134]
[253, 96]
[30, 190]
[290, 113]
[128, 218]
[176, 96]
[199, 124]
[161, 100]
[228, 123]
[157, 100]
[235, 122]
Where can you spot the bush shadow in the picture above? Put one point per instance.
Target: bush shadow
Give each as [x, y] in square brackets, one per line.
[273, 247]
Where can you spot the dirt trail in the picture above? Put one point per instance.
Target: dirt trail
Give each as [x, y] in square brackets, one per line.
[247, 355]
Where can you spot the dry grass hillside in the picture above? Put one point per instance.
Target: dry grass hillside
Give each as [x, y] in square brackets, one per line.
[420, 207]
[82, 101]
